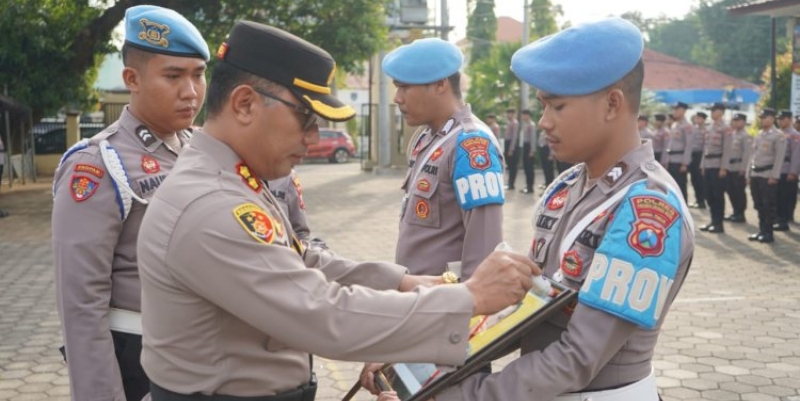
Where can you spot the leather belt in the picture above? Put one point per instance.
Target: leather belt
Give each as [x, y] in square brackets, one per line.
[674, 152]
[305, 393]
[713, 156]
[125, 321]
[758, 169]
[737, 160]
[643, 390]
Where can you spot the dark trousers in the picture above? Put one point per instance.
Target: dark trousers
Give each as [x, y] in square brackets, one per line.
[128, 349]
[527, 165]
[787, 199]
[715, 194]
[697, 178]
[512, 158]
[764, 199]
[657, 156]
[735, 188]
[674, 170]
[563, 166]
[547, 164]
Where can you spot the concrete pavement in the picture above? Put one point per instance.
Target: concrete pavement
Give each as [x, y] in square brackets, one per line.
[733, 334]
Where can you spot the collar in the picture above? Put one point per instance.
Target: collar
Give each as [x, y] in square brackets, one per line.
[148, 140]
[456, 118]
[217, 150]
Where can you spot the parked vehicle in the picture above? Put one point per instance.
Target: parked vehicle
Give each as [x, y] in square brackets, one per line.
[51, 138]
[334, 144]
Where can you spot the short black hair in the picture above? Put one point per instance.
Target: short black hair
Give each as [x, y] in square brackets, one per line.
[631, 85]
[455, 84]
[134, 57]
[526, 112]
[224, 79]
[511, 110]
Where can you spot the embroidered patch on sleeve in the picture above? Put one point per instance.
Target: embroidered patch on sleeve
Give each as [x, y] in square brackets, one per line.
[477, 171]
[82, 187]
[91, 169]
[634, 267]
[150, 165]
[256, 222]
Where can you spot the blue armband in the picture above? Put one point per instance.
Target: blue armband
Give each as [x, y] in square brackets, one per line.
[634, 267]
[477, 171]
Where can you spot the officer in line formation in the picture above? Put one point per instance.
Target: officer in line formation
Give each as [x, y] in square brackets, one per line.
[715, 164]
[100, 192]
[452, 211]
[697, 146]
[790, 168]
[601, 349]
[738, 166]
[678, 153]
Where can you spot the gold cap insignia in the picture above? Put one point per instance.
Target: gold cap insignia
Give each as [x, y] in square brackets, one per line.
[154, 33]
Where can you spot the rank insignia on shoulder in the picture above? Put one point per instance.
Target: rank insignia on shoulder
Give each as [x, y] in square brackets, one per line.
[145, 136]
[248, 177]
[154, 32]
[150, 165]
[82, 187]
[256, 222]
[91, 169]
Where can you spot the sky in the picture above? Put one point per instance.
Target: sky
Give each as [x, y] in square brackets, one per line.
[575, 11]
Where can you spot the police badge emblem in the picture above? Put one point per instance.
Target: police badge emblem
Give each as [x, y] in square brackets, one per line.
[82, 188]
[154, 33]
[478, 150]
[150, 165]
[654, 216]
[256, 222]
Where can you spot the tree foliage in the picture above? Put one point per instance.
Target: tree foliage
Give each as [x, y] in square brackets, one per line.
[783, 83]
[481, 28]
[51, 49]
[493, 87]
[543, 18]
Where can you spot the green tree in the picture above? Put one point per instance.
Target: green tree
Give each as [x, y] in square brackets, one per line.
[481, 29]
[783, 83]
[543, 18]
[51, 49]
[493, 87]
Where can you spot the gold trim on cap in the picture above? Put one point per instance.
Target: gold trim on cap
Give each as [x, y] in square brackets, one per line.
[329, 112]
[311, 87]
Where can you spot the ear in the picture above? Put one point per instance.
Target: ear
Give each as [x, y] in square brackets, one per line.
[131, 78]
[243, 102]
[615, 102]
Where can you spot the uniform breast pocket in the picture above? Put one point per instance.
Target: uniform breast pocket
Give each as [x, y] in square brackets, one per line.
[424, 209]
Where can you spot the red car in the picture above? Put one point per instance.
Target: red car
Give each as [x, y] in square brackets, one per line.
[334, 145]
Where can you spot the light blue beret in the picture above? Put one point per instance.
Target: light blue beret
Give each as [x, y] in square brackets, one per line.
[582, 59]
[161, 30]
[423, 61]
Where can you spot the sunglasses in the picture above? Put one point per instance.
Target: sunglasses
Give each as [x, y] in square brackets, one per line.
[311, 118]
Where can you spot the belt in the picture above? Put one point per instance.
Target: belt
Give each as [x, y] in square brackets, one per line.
[737, 160]
[305, 393]
[758, 169]
[674, 152]
[643, 390]
[713, 156]
[125, 321]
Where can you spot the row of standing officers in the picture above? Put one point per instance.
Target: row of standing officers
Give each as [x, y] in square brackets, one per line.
[723, 157]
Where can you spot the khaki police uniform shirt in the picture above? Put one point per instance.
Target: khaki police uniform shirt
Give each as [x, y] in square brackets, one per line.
[529, 130]
[699, 137]
[495, 127]
[647, 133]
[587, 348]
[511, 134]
[289, 194]
[94, 247]
[718, 146]
[230, 307]
[769, 149]
[741, 150]
[659, 138]
[791, 160]
[448, 216]
[679, 144]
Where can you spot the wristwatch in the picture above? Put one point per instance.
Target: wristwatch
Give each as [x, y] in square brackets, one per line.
[449, 277]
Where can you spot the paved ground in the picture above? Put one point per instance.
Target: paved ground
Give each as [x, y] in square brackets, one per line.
[733, 334]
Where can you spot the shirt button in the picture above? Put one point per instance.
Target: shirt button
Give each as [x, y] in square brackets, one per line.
[649, 166]
[455, 338]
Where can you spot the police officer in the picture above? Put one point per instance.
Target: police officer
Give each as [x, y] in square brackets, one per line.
[644, 131]
[528, 136]
[602, 350]
[769, 149]
[289, 194]
[232, 304]
[660, 135]
[101, 190]
[697, 144]
[790, 168]
[491, 122]
[717, 150]
[678, 156]
[740, 156]
[511, 146]
[545, 158]
[452, 208]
